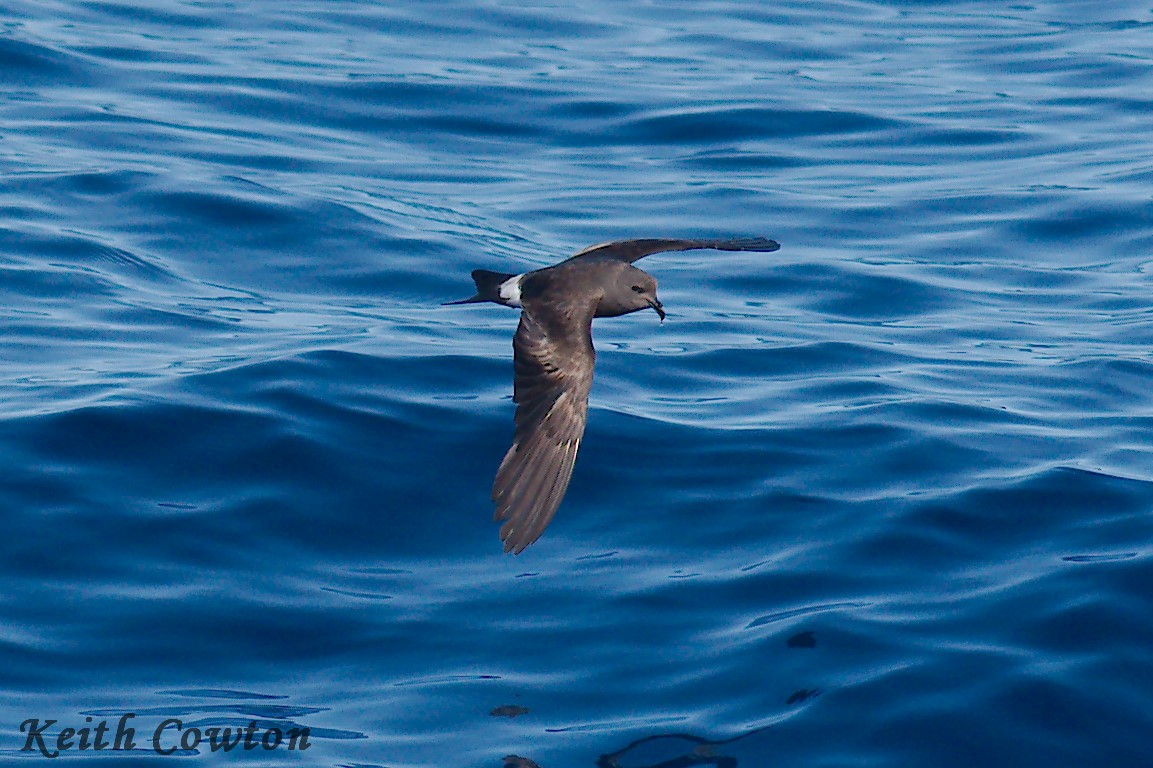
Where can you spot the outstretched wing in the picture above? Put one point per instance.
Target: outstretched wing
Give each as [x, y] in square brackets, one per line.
[631, 250]
[553, 364]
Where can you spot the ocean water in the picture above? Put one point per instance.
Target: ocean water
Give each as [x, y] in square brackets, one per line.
[882, 498]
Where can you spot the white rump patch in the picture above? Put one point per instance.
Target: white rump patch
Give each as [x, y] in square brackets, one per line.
[510, 290]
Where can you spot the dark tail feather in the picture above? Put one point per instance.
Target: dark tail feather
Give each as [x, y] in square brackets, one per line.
[487, 287]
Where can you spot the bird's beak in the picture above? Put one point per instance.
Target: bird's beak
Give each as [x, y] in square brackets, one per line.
[660, 308]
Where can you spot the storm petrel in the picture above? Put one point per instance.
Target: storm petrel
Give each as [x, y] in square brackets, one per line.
[553, 364]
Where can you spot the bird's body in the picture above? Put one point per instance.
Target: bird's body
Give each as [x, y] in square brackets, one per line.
[553, 361]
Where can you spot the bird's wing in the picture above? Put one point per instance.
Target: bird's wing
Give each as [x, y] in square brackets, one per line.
[631, 250]
[553, 360]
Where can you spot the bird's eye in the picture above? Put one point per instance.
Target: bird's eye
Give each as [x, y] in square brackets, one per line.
[638, 289]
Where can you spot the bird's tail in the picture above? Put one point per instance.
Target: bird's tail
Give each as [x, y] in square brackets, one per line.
[487, 287]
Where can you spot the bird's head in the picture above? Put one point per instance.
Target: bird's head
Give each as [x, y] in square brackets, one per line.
[632, 290]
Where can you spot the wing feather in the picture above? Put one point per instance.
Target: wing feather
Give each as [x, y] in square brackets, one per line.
[631, 250]
[553, 363]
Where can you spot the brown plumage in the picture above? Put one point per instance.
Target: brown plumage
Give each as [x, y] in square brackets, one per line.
[553, 361]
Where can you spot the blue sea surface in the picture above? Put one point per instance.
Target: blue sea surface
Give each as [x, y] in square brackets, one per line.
[881, 498]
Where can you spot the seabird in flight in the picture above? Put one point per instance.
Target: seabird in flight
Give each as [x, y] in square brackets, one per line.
[553, 364]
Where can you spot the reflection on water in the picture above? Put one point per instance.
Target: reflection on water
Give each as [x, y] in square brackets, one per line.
[680, 750]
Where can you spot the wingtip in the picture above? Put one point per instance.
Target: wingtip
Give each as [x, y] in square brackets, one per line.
[514, 543]
[758, 244]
